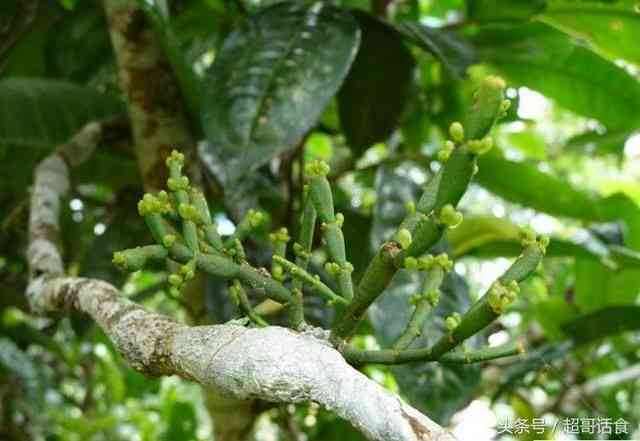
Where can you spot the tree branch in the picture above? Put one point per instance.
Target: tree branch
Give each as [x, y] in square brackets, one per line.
[272, 363]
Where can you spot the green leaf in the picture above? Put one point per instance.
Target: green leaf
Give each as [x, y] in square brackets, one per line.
[526, 185]
[488, 236]
[454, 52]
[549, 61]
[503, 10]
[436, 389]
[369, 106]
[603, 322]
[612, 27]
[46, 112]
[595, 143]
[271, 81]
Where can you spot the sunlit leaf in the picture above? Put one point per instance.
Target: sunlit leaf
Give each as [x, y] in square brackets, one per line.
[549, 61]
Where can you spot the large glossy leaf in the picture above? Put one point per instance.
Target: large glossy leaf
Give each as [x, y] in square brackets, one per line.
[501, 10]
[595, 143]
[369, 106]
[524, 184]
[604, 322]
[454, 51]
[597, 286]
[612, 27]
[272, 79]
[43, 113]
[542, 58]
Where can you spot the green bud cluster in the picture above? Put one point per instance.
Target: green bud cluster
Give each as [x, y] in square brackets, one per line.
[403, 237]
[445, 152]
[428, 262]
[449, 216]
[158, 204]
[456, 131]
[453, 321]
[481, 146]
[432, 297]
[500, 296]
[175, 184]
[281, 236]
[316, 168]
[529, 238]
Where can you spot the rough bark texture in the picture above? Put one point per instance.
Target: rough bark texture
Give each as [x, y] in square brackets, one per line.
[156, 107]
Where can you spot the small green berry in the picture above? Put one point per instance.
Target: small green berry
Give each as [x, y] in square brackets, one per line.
[450, 217]
[411, 263]
[175, 280]
[168, 240]
[403, 237]
[410, 207]
[316, 168]
[456, 131]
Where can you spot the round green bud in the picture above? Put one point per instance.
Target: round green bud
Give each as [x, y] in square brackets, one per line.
[339, 219]
[415, 298]
[433, 297]
[189, 212]
[450, 217]
[277, 272]
[332, 268]
[411, 263]
[168, 240]
[348, 267]
[175, 280]
[175, 158]
[282, 235]
[410, 207]
[445, 152]
[505, 106]
[443, 261]
[316, 168]
[403, 237]
[481, 147]
[255, 218]
[120, 260]
[451, 323]
[456, 131]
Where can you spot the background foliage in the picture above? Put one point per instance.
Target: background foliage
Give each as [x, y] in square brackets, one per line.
[369, 88]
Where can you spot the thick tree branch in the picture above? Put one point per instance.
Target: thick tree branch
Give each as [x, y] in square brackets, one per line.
[272, 363]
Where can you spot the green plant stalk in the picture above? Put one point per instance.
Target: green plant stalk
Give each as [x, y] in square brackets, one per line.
[209, 227]
[446, 187]
[305, 242]
[481, 314]
[245, 307]
[223, 267]
[302, 275]
[189, 228]
[322, 198]
[135, 259]
[394, 356]
[432, 282]
[377, 276]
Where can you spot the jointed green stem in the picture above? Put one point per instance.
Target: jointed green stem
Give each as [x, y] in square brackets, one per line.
[442, 193]
[395, 356]
[424, 304]
[302, 275]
